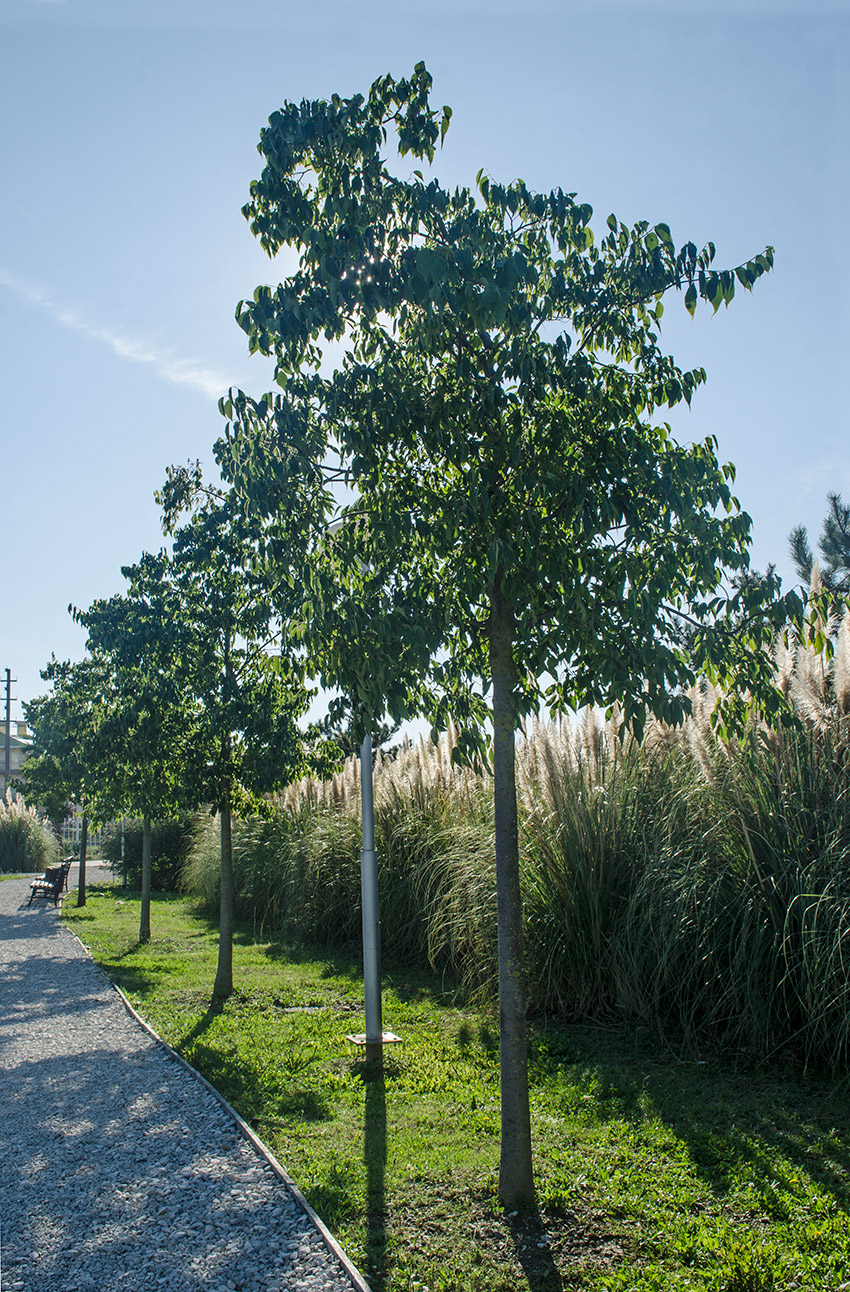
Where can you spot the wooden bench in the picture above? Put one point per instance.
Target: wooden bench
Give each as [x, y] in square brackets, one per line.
[52, 883]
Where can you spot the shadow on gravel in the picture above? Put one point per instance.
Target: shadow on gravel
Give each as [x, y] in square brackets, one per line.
[38, 997]
[36, 966]
[36, 921]
[118, 1171]
[111, 1178]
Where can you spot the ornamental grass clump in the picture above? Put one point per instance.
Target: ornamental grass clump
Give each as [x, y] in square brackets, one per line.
[788, 821]
[608, 821]
[26, 843]
[299, 872]
[697, 886]
[292, 874]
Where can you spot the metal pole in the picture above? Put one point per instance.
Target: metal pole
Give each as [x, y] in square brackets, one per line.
[8, 761]
[371, 911]
[123, 857]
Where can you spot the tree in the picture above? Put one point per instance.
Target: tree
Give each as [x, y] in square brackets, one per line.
[834, 546]
[63, 768]
[146, 728]
[493, 413]
[246, 702]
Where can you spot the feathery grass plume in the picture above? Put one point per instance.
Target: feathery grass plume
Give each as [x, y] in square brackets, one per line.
[809, 686]
[784, 655]
[811, 679]
[698, 731]
[592, 740]
[614, 724]
[841, 666]
[27, 843]
[540, 769]
[661, 737]
[815, 579]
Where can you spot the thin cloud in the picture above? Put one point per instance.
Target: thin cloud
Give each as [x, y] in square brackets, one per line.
[180, 372]
[823, 476]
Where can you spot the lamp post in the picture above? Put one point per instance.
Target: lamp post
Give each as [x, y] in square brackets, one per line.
[371, 906]
[374, 1038]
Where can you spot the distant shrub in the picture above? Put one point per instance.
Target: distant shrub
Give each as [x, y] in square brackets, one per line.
[170, 842]
[26, 843]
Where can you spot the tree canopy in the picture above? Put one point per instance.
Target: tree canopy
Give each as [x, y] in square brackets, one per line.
[538, 532]
[63, 766]
[488, 333]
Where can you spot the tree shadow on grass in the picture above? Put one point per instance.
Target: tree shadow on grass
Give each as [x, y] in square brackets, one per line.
[250, 1092]
[760, 1130]
[372, 1073]
[214, 1010]
[531, 1244]
[736, 1120]
[333, 1199]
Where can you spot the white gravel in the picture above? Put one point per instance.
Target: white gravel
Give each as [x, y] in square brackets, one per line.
[119, 1170]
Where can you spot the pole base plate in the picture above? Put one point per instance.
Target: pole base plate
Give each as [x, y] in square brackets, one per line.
[386, 1038]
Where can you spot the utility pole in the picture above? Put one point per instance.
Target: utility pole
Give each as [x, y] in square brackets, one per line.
[8, 760]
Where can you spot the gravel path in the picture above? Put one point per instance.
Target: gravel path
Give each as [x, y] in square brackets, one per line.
[119, 1170]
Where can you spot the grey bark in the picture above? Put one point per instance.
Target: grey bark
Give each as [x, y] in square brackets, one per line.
[223, 985]
[224, 972]
[81, 882]
[516, 1177]
[145, 918]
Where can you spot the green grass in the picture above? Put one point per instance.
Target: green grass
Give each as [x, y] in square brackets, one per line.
[654, 1172]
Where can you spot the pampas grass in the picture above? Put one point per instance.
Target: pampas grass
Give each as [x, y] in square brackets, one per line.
[26, 843]
[697, 887]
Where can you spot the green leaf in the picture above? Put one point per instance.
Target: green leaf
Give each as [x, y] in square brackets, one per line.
[444, 124]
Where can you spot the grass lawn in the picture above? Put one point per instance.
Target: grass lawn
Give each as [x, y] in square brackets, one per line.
[654, 1171]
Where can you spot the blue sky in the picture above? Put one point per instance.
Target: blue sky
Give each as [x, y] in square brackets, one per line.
[127, 144]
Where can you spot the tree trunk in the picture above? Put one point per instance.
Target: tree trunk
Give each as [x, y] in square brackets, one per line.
[516, 1177]
[224, 973]
[57, 824]
[81, 882]
[145, 919]
[223, 985]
